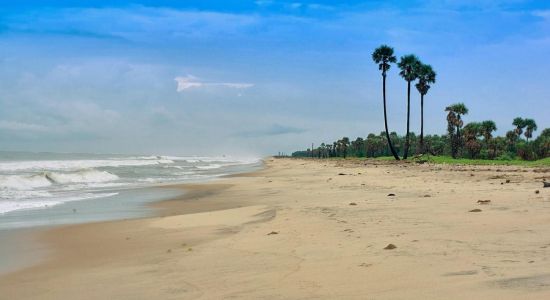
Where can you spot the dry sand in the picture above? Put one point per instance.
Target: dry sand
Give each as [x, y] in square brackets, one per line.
[299, 230]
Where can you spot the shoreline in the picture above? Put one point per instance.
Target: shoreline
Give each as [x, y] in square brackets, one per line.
[314, 229]
[36, 250]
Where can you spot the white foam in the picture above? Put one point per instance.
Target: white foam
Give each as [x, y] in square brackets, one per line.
[33, 184]
[77, 164]
[83, 176]
[209, 167]
[23, 182]
[9, 206]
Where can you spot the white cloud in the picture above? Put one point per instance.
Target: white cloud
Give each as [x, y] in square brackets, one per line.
[236, 85]
[187, 82]
[190, 81]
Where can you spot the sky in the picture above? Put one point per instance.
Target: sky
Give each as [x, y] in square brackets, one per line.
[257, 77]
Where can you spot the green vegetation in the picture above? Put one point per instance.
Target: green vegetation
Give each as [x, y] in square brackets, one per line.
[470, 143]
[466, 161]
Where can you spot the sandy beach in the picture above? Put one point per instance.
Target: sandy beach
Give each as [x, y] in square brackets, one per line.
[315, 229]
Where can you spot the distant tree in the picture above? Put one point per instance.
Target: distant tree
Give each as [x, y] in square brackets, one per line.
[409, 66]
[471, 133]
[487, 128]
[454, 123]
[383, 56]
[511, 140]
[520, 124]
[530, 126]
[358, 147]
[542, 144]
[426, 77]
[344, 145]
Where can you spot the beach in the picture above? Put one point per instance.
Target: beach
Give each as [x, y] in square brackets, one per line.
[314, 229]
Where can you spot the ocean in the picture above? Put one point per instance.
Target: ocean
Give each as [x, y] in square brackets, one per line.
[53, 188]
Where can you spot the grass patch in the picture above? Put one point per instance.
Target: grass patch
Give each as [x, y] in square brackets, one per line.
[463, 161]
[495, 162]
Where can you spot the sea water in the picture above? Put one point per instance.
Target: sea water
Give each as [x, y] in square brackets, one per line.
[51, 188]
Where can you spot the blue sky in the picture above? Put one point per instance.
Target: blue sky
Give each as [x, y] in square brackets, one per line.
[256, 77]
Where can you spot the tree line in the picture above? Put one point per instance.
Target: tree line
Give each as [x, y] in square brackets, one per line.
[473, 140]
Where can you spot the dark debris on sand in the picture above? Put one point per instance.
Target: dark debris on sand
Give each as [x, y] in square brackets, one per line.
[390, 247]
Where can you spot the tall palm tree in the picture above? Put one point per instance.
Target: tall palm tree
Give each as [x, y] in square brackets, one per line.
[409, 66]
[426, 77]
[530, 126]
[383, 56]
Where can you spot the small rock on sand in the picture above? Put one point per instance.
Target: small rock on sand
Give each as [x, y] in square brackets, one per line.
[483, 201]
[475, 210]
[391, 195]
[545, 184]
[537, 191]
[353, 203]
[507, 180]
[341, 173]
[273, 232]
[427, 196]
[365, 265]
[390, 247]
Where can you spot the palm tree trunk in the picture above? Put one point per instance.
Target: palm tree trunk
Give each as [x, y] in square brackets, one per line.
[422, 123]
[408, 119]
[458, 144]
[386, 118]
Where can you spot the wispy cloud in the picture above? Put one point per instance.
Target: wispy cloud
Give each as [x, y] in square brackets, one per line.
[190, 82]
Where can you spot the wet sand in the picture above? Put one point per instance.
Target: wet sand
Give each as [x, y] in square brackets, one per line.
[310, 229]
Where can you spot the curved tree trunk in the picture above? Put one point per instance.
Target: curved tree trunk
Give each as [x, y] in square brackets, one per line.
[408, 119]
[422, 123]
[386, 119]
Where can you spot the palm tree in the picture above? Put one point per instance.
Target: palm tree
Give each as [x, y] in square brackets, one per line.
[530, 126]
[460, 109]
[487, 127]
[383, 56]
[409, 66]
[520, 124]
[511, 139]
[426, 76]
[454, 121]
[344, 144]
[471, 132]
